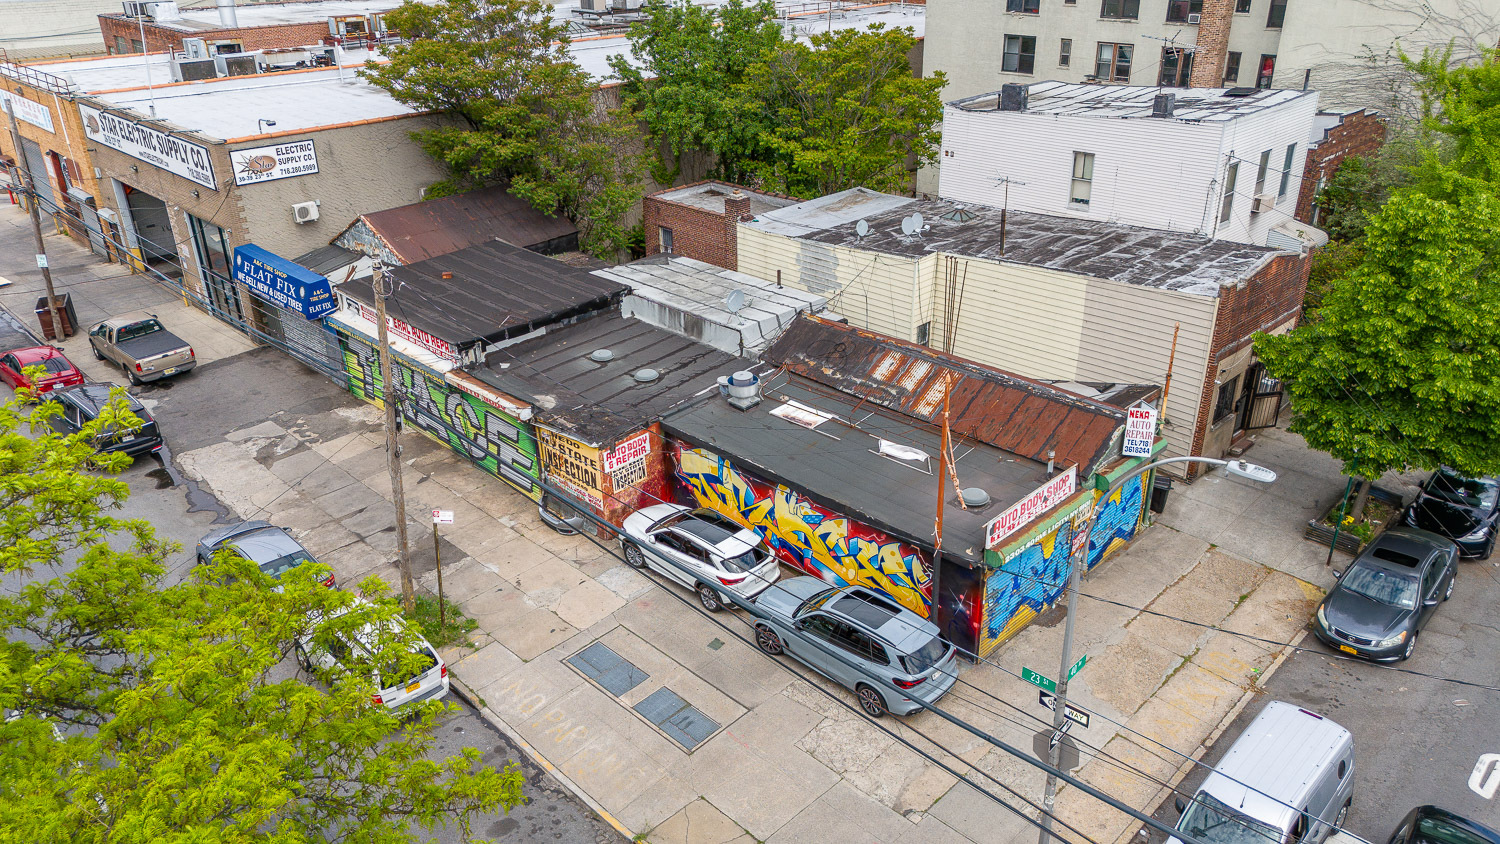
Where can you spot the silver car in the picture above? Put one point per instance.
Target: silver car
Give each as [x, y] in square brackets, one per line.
[262, 543]
[876, 637]
[701, 549]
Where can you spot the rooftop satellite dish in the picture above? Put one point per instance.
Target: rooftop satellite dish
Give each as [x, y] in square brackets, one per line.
[735, 301]
[907, 226]
[861, 228]
[916, 222]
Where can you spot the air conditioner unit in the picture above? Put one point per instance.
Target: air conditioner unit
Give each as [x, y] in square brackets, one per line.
[1194, 18]
[305, 212]
[194, 48]
[1263, 202]
[193, 70]
[135, 9]
[164, 11]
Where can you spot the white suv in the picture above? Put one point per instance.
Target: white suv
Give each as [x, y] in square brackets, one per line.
[416, 674]
[701, 549]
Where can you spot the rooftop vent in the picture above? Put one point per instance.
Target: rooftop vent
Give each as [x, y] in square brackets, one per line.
[974, 497]
[646, 376]
[1240, 92]
[1012, 97]
[1163, 105]
[601, 356]
[744, 390]
[959, 215]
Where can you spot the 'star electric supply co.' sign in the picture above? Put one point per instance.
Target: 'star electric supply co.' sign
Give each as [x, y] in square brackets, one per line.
[1042, 499]
[283, 283]
[32, 112]
[267, 164]
[183, 158]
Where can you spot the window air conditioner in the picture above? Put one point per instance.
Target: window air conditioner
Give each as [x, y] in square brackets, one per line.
[1194, 18]
[1263, 202]
[305, 212]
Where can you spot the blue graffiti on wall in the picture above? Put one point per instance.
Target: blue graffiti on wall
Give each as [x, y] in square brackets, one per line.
[1117, 521]
[1027, 584]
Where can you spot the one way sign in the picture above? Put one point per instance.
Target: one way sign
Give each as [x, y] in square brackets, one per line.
[1077, 716]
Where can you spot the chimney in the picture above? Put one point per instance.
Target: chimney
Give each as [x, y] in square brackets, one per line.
[227, 17]
[1012, 97]
[736, 208]
[1213, 44]
[1163, 105]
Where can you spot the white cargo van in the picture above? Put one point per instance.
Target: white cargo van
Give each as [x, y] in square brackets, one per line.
[1287, 780]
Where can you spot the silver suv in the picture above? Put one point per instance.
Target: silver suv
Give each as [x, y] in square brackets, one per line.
[877, 637]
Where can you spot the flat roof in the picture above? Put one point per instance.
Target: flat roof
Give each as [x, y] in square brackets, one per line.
[1193, 105]
[1166, 260]
[710, 196]
[271, 14]
[826, 212]
[327, 259]
[435, 227]
[840, 466]
[495, 291]
[597, 402]
[111, 73]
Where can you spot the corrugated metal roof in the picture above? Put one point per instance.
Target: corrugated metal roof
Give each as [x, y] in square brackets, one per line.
[326, 259]
[496, 291]
[1019, 415]
[425, 230]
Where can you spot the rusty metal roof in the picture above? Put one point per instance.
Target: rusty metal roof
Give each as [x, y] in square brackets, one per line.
[439, 226]
[1025, 417]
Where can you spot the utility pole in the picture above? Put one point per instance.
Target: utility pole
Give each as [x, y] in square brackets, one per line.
[36, 220]
[1077, 563]
[392, 448]
[1005, 207]
[937, 531]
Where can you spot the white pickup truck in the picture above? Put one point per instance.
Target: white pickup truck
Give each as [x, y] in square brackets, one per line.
[142, 348]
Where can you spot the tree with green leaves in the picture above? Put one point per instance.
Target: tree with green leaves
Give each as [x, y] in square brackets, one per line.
[142, 710]
[524, 114]
[846, 110]
[1402, 367]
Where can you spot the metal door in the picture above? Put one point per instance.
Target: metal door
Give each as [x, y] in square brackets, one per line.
[1261, 403]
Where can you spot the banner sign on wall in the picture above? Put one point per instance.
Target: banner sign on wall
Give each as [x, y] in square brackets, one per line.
[571, 465]
[431, 342]
[633, 449]
[283, 283]
[267, 164]
[30, 111]
[1140, 431]
[1042, 499]
[183, 158]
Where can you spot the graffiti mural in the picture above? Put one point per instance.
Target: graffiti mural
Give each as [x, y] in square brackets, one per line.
[491, 439]
[1025, 585]
[1118, 519]
[805, 535]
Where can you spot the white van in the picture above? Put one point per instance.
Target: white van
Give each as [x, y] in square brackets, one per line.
[1289, 779]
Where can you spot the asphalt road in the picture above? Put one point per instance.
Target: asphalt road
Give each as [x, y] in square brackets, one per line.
[1416, 739]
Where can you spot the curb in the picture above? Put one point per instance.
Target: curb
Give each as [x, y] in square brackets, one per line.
[458, 687]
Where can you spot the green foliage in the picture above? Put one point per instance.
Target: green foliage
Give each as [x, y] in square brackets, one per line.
[1462, 114]
[525, 114]
[146, 710]
[1333, 261]
[1403, 367]
[454, 628]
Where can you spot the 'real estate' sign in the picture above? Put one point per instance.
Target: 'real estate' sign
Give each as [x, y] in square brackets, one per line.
[267, 164]
[180, 157]
[30, 111]
[1042, 499]
[283, 283]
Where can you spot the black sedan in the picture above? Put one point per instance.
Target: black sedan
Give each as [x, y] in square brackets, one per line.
[1386, 596]
[83, 404]
[1431, 825]
[262, 543]
[1462, 509]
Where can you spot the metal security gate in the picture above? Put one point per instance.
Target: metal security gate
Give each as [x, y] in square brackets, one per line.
[1261, 404]
[307, 340]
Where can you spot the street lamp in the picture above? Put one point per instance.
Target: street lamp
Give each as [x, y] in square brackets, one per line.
[261, 124]
[1234, 468]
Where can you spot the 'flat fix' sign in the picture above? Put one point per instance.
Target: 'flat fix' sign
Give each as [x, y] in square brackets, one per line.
[1042, 499]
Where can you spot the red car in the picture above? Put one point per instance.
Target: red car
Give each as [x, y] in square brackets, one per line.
[60, 372]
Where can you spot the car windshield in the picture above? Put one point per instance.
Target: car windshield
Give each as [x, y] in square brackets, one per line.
[53, 366]
[1212, 822]
[1381, 586]
[746, 560]
[281, 565]
[924, 657]
[138, 329]
[1439, 831]
[1470, 492]
[404, 668]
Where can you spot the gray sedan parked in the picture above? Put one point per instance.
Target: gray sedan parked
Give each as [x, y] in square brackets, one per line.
[1388, 594]
[876, 637]
[262, 543]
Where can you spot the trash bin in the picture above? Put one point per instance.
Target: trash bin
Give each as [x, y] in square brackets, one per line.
[1159, 489]
[65, 311]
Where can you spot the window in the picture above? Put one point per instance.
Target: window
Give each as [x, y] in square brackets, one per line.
[1065, 53]
[1224, 405]
[1176, 67]
[664, 238]
[1184, 11]
[1242, 6]
[1029, 7]
[1128, 9]
[1267, 69]
[1232, 68]
[1070, 2]
[121, 45]
[1286, 170]
[1226, 206]
[1020, 54]
[1260, 172]
[1083, 178]
[1113, 64]
[924, 333]
[1277, 14]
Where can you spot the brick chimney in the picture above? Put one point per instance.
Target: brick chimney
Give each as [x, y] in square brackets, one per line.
[1213, 44]
[736, 208]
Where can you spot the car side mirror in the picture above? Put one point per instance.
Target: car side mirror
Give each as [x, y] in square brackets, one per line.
[1180, 804]
[1337, 574]
[1432, 602]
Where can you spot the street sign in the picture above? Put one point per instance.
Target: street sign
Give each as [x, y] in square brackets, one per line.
[1077, 716]
[1077, 666]
[1041, 748]
[442, 517]
[1038, 680]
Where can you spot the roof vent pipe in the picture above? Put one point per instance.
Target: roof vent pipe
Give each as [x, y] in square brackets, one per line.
[1051, 461]
[744, 389]
[601, 355]
[974, 497]
[227, 17]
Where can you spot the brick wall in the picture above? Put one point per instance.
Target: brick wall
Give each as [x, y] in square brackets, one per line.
[1213, 44]
[1359, 133]
[696, 233]
[161, 38]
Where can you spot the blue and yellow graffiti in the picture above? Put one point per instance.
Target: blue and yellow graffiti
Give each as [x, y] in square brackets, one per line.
[804, 534]
[1118, 519]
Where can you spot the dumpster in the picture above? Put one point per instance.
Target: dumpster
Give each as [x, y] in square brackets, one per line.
[1160, 486]
[64, 310]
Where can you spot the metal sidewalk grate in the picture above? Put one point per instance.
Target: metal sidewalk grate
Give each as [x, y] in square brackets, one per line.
[676, 717]
[615, 673]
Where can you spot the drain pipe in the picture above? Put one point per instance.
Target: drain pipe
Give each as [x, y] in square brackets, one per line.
[227, 17]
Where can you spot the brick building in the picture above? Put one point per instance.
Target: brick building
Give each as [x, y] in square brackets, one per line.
[1336, 137]
[238, 29]
[699, 221]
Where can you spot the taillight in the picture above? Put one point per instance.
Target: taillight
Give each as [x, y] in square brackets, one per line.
[328, 581]
[444, 670]
[377, 700]
[190, 352]
[733, 581]
[909, 684]
[138, 368]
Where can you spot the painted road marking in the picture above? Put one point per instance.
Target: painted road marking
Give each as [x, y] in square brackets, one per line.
[1486, 776]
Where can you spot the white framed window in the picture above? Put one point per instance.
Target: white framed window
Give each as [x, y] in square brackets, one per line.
[1286, 170]
[1226, 205]
[1083, 179]
[664, 238]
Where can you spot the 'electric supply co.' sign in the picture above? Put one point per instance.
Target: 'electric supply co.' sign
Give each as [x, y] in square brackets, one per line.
[180, 157]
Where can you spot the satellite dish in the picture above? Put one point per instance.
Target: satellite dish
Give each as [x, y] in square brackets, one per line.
[735, 301]
[906, 225]
[916, 222]
[861, 228]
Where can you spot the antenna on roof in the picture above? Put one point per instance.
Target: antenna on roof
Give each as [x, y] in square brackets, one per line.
[861, 228]
[910, 225]
[1005, 207]
[1181, 50]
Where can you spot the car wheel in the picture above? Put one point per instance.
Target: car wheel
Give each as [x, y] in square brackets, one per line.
[1489, 548]
[634, 555]
[95, 350]
[768, 641]
[709, 598]
[870, 701]
[1411, 645]
[1338, 822]
[1451, 581]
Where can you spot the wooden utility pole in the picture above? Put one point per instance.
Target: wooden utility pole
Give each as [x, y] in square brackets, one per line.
[937, 530]
[36, 220]
[392, 448]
